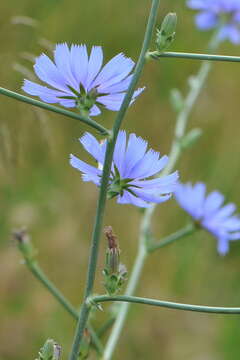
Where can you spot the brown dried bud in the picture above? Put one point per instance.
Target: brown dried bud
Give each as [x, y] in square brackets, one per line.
[111, 238]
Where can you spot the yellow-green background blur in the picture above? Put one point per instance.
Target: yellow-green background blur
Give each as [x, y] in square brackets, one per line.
[39, 190]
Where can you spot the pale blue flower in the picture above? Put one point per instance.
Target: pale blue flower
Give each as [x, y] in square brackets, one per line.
[209, 212]
[132, 165]
[222, 13]
[77, 79]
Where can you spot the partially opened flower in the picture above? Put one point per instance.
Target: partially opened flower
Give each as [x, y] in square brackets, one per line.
[79, 80]
[209, 212]
[132, 165]
[222, 13]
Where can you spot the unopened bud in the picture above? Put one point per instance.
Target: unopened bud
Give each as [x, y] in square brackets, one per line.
[114, 273]
[24, 244]
[166, 34]
[112, 252]
[176, 100]
[50, 351]
[191, 138]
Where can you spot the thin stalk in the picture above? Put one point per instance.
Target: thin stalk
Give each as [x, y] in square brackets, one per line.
[186, 231]
[191, 99]
[192, 56]
[40, 275]
[104, 183]
[168, 304]
[146, 221]
[84, 119]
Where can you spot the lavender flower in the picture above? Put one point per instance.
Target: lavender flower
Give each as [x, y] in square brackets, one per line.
[208, 211]
[79, 80]
[223, 13]
[132, 165]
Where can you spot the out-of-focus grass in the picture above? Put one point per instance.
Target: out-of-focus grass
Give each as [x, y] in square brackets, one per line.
[41, 191]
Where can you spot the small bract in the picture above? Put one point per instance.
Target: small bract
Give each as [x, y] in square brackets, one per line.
[79, 80]
[208, 211]
[132, 165]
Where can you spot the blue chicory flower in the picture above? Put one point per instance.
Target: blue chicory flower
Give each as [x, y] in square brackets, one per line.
[79, 80]
[132, 165]
[208, 211]
[222, 13]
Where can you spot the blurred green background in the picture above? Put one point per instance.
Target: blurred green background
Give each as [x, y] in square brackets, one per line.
[41, 191]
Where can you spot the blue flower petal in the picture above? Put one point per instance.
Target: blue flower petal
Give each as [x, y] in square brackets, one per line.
[230, 32]
[167, 184]
[79, 63]
[62, 57]
[149, 165]
[151, 197]
[213, 202]
[197, 4]
[94, 111]
[92, 146]
[223, 246]
[208, 210]
[68, 103]
[94, 65]
[128, 198]
[116, 88]
[115, 70]
[206, 20]
[119, 152]
[46, 94]
[84, 167]
[135, 151]
[47, 71]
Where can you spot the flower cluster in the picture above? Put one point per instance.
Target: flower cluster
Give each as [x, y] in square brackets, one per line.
[79, 80]
[208, 212]
[132, 165]
[222, 13]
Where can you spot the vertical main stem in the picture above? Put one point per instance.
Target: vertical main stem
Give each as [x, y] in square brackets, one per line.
[85, 309]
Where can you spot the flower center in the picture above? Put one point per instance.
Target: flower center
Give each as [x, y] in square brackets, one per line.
[84, 100]
[119, 185]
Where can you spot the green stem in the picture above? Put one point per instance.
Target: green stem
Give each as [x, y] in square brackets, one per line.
[181, 55]
[168, 304]
[191, 99]
[186, 231]
[40, 275]
[146, 221]
[105, 179]
[70, 114]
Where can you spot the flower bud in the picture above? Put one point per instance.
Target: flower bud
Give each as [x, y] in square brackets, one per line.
[24, 244]
[114, 273]
[176, 100]
[50, 351]
[166, 34]
[191, 138]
